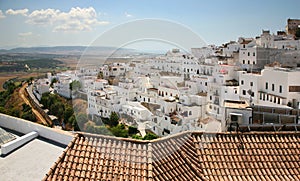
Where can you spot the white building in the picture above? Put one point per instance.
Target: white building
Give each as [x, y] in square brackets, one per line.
[62, 87]
[204, 52]
[41, 86]
[137, 111]
[275, 86]
[279, 41]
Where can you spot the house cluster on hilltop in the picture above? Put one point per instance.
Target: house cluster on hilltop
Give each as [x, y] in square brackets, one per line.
[213, 88]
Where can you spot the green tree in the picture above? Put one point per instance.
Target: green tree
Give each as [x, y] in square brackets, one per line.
[74, 123]
[53, 81]
[137, 137]
[75, 85]
[28, 116]
[2, 110]
[71, 120]
[25, 107]
[150, 136]
[132, 130]
[113, 119]
[68, 113]
[57, 109]
[119, 131]
[14, 112]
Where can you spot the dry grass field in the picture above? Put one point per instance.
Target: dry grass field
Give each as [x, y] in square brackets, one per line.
[6, 76]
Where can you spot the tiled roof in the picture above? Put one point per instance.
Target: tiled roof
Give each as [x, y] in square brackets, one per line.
[186, 156]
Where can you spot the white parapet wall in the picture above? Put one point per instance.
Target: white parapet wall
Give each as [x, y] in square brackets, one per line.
[12, 145]
[24, 126]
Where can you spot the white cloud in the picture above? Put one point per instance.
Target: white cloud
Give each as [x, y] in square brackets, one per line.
[43, 16]
[128, 15]
[22, 12]
[1, 15]
[25, 34]
[77, 19]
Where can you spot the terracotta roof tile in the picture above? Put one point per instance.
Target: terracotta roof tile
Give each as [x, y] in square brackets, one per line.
[186, 156]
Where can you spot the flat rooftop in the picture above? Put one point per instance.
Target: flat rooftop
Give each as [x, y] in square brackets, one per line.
[31, 161]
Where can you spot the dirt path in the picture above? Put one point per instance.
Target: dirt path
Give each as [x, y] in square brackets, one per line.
[39, 117]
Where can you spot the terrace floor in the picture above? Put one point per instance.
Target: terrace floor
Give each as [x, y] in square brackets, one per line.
[30, 162]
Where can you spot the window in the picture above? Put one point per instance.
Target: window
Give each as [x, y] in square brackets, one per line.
[251, 84]
[273, 87]
[244, 92]
[243, 61]
[278, 100]
[253, 62]
[253, 54]
[260, 97]
[248, 53]
[242, 82]
[294, 88]
[266, 85]
[210, 97]
[248, 61]
[280, 89]
[205, 83]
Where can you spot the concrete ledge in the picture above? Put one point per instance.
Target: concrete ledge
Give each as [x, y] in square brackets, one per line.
[24, 126]
[12, 145]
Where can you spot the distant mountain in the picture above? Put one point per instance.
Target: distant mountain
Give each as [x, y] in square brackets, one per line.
[70, 50]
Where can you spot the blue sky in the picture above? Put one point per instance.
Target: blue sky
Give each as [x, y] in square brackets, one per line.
[74, 22]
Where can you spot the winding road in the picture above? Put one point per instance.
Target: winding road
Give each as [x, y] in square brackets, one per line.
[39, 117]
